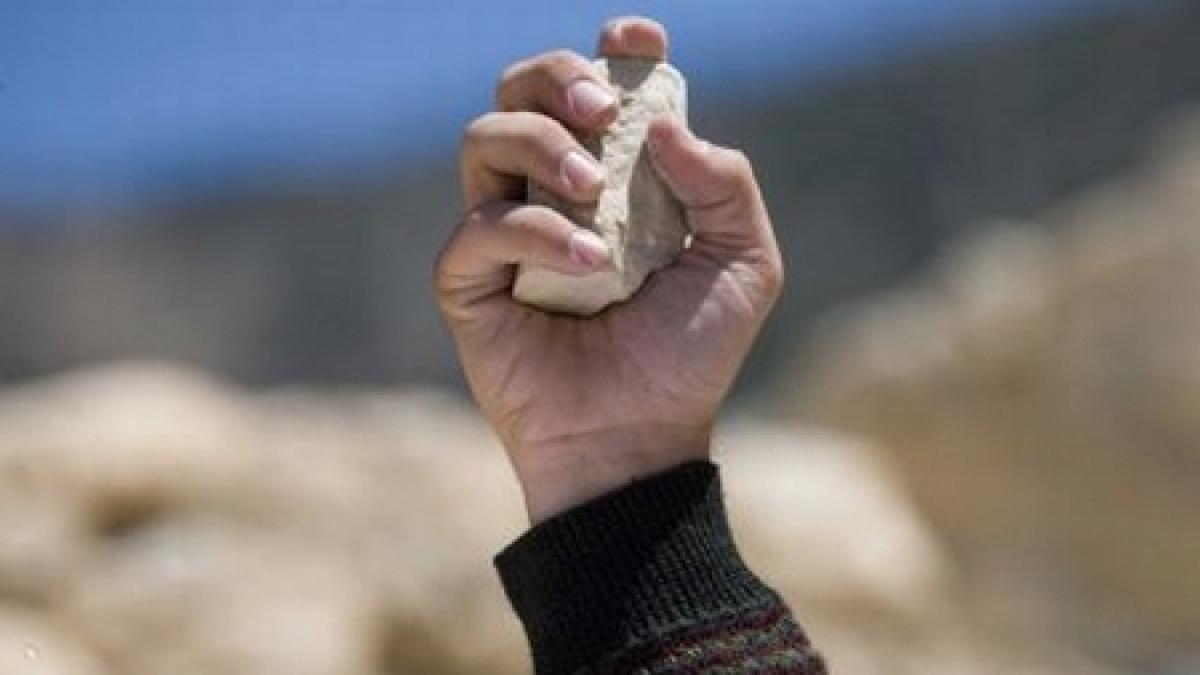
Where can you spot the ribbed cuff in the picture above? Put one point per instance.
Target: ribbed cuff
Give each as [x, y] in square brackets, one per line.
[627, 568]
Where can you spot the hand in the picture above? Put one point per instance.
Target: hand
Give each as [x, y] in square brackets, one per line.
[585, 405]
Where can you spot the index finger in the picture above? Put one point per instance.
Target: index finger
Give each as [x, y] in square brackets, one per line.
[633, 36]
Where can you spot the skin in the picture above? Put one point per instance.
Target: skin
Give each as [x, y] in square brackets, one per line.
[584, 406]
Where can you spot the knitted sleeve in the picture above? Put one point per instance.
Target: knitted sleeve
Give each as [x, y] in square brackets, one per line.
[648, 580]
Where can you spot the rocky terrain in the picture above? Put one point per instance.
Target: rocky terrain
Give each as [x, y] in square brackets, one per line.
[155, 520]
[1040, 390]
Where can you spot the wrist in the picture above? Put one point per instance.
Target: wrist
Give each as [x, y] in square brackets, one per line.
[561, 473]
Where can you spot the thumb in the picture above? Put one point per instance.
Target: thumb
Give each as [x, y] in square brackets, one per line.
[715, 185]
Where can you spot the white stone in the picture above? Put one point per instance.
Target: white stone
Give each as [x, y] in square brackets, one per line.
[636, 215]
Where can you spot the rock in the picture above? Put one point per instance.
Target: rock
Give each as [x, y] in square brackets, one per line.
[233, 599]
[169, 522]
[827, 519]
[1038, 387]
[636, 214]
[832, 488]
[32, 645]
[290, 532]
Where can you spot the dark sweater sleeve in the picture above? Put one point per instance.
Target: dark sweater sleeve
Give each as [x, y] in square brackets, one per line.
[647, 579]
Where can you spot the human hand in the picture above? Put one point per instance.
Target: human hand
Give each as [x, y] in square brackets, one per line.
[585, 405]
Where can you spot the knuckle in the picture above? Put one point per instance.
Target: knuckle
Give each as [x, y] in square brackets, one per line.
[550, 131]
[512, 72]
[773, 275]
[453, 249]
[440, 270]
[478, 130]
[510, 77]
[475, 220]
[437, 273]
[559, 61]
[528, 227]
[738, 166]
[522, 222]
[531, 83]
[738, 173]
[543, 137]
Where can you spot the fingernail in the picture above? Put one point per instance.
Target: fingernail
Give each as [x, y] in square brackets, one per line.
[581, 172]
[588, 99]
[587, 248]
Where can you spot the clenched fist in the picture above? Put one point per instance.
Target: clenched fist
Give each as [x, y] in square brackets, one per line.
[585, 405]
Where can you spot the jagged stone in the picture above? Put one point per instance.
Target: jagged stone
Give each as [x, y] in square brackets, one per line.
[636, 214]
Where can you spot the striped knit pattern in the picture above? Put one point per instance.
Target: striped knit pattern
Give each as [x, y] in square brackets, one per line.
[757, 642]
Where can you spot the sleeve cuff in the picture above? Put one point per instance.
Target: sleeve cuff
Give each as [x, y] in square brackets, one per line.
[628, 568]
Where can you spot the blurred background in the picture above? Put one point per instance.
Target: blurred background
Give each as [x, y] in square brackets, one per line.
[234, 438]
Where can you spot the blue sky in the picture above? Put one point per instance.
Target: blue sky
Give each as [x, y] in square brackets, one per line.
[111, 100]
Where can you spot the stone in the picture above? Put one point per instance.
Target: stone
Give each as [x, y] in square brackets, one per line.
[1038, 386]
[31, 644]
[156, 519]
[636, 214]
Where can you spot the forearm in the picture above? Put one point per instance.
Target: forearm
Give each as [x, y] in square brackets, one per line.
[648, 577]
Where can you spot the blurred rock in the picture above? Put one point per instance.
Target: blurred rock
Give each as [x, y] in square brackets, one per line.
[189, 527]
[32, 645]
[826, 520]
[156, 520]
[1040, 390]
